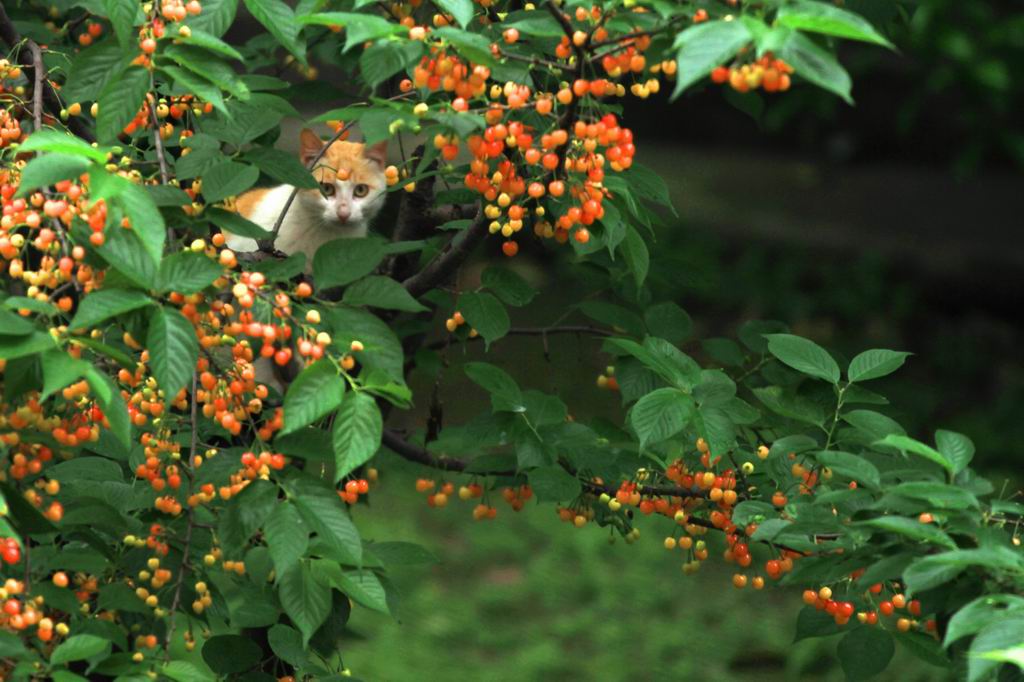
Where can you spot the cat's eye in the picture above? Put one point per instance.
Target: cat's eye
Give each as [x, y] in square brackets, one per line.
[361, 190]
[327, 189]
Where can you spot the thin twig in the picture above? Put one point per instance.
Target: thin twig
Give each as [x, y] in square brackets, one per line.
[454, 253]
[37, 85]
[176, 600]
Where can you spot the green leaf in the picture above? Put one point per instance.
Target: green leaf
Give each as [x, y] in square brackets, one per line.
[358, 427]
[11, 646]
[126, 254]
[202, 62]
[486, 314]
[472, 46]
[381, 292]
[938, 569]
[381, 349]
[937, 495]
[850, 466]
[62, 143]
[78, 648]
[201, 38]
[364, 588]
[282, 166]
[668, 321]
[554, 484]
[167, 195]
[975, 615]
[183, 671]
[286, 536]
[191, 82]
[342, 261]
[286, 643]
[385, 58]
[60, 370]
[228, 179]
[865, 652]
[462, 10]
[14, 325]
[305, 599]
[187, 272]
[804, 356]
[811, 622]
[505, 393]
[872, 364]
[112, 404]
[120, 100]
[752, 511]
[703, 47]
[227, 654]
[317, 391]
[507, 285]
[324, 514]
[106, 303]
[816, 64]
[1003, 634]
[173, 349]
[908, 444]
[359, 28]
[122, 15]
[91, 70]
[235, 224]
[911, 528]
[146, 220]
[402, 554]
[956, 448]
[661, 414]
[279, 19]
[826, 18]
[635, 254]
[216, 17]
[47, 169]
[245, 513]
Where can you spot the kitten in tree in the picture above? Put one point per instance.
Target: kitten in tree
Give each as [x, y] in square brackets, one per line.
[351, 194]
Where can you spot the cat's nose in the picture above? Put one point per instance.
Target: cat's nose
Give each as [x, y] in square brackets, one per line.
[344, 213]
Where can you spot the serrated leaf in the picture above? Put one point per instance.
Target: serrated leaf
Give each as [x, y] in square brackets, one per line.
[233, 223]
[106, 303]
[703, 47]
[507, 285]
[47, 169]
[246, 512]
[187, 272]
[173, 349]
[120, 100]
[635, 254]
[216, 17]
[279, 19]
[317, 391]
[851, 466]
[286, 536]
[554, 484]
[343, 261]
[931, 571]
[199, 86]
[908, 444]
[872, 364]
[825, 18]
[661, 414]
[462, 10]
[78, 648]
[358, 428]
[113, 405]
[816, 64]
[91, 70]
[804, 356]
[324, 514]
[865, 652]
[364, 588]
[385, 58]
[486, 314]
[282, 166]
[228, 179]
[201, 38]
[60, 370]
[381, 292]
[505, 393]
[227, 654]
[975, 615]
[305, 599]
[911, 528]
[956, 448]
[122, 15]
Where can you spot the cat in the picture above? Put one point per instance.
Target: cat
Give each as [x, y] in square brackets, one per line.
[351, 194]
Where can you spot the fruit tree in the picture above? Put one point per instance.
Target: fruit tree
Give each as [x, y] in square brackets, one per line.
[170, 514]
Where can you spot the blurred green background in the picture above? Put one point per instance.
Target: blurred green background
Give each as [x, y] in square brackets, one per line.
[893, 224]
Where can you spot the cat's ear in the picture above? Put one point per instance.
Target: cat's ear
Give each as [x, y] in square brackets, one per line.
[310, 145]
[377, 153]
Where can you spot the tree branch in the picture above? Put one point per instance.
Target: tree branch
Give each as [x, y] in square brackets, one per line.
[31, 60]
[454, 254]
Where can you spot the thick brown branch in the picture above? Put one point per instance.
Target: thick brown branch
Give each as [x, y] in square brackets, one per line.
[454, 254]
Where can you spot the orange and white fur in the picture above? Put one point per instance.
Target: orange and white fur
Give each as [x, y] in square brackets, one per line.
[352, 192]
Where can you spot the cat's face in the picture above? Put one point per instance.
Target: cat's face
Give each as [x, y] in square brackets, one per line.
[351, 177]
